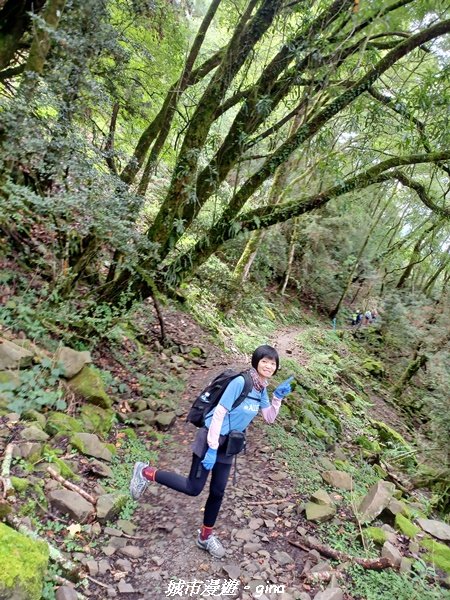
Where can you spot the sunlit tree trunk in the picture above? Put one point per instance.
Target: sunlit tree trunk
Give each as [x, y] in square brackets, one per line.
[292, 246]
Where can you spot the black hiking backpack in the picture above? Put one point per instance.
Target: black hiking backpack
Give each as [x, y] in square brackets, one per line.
[209, 398]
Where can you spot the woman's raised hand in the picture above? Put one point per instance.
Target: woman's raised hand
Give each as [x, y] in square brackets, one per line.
[284, 388]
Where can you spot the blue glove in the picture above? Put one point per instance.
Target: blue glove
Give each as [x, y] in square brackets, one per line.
[283, 389]
[210, 459]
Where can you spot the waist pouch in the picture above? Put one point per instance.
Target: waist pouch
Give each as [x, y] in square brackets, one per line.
[236, 442]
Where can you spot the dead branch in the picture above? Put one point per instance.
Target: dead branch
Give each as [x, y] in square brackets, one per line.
[97, 582]
[405, 486]
[6, 471]
[71, 486]
[323, 576]
[61, 581]
[368, 563]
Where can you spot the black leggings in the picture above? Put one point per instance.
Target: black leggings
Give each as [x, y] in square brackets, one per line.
[195, 482]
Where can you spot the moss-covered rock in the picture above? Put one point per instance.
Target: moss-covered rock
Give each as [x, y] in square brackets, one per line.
[96, 419]
[58, 422]
[376, 534]
[368, 444]
[406, 526]
[23, 564]
[388, 434]
[19, 484]
[438, 554]
[89, 385]
[59, 464]
[34, 417]
[351, 396]
[90, 445]
[346, 409]
[196, 352]
[374, 367]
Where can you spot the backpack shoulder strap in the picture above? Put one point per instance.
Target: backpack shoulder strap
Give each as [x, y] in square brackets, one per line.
[248, 385]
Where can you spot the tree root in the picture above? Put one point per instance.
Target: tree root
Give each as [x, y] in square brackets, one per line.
[310, 543]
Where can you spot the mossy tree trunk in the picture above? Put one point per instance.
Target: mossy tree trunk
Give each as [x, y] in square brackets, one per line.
[15, 22]
[295, 236]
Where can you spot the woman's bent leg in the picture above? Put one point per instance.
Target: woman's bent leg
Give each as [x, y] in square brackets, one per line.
[191, 485]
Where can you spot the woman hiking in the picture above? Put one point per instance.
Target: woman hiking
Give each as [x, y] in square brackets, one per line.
[212, 440]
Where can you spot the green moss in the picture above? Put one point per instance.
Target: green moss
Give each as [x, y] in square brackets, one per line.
[320, 433]
[439, 554]
[19, 484]
[23, 564]
[406, 527]
[342, 465]
[376, 534]
[52, 457]
[367, 444]
[379, 471]
[388, 434]
[112, 449]
[96, 419]
[196, 352]
[89, 385]
[130, 433]
[346, 409]
[61, 423]
[374, 367]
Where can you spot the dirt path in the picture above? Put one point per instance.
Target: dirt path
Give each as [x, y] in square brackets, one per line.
[257, 516]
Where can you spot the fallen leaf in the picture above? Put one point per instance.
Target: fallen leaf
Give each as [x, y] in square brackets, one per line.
[74, 529]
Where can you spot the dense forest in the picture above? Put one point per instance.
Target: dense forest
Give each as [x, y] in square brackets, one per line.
[180, 181]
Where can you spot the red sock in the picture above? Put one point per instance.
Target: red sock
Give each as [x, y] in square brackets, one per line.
[149, 473]
[205, 532]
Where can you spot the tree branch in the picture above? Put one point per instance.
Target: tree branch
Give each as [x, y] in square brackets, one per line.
[261, 218]
[421, 192]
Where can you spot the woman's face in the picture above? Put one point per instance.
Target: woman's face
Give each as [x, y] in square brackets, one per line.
[267, 367]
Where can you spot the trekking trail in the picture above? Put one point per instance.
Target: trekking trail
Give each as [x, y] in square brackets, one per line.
[257, 517]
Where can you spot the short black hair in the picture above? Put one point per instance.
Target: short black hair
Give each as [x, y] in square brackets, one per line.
[265, 352]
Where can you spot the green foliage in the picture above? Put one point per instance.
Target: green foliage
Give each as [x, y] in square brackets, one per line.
[132, 450]
[38, 387]
[388, 584]
[298, 456]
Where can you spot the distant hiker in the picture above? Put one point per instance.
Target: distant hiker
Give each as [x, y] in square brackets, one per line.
[367, 317]
[358, 317]
[213, 440]
[354, 318]
[374, 315]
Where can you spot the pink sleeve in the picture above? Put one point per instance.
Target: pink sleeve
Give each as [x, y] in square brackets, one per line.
[270, 413]
[216, 426]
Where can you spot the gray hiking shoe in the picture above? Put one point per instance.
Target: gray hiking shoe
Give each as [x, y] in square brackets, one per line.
[138, 483]
[212, 545]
